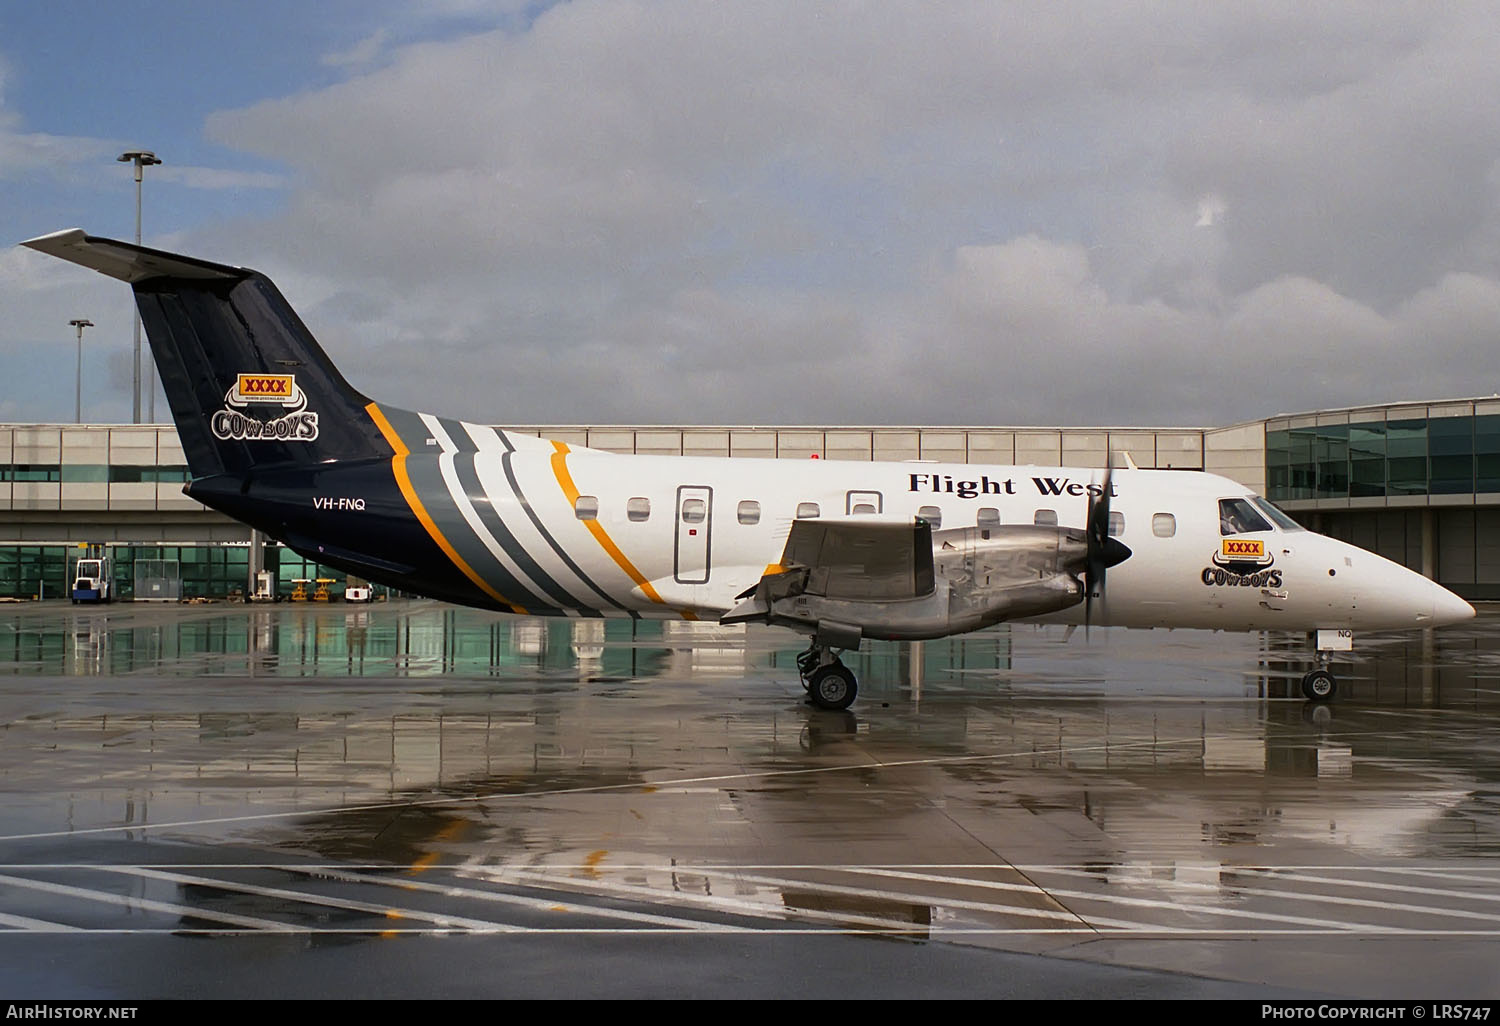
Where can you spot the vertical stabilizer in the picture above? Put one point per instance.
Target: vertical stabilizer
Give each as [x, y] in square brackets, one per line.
[248, 385]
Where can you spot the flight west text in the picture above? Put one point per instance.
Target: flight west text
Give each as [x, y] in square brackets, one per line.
[945, 484]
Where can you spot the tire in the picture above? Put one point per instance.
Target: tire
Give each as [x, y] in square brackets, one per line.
[832, 687]
[1319, 686]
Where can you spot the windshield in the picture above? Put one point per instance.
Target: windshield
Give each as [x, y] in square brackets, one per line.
[1237, 516]
[1279, 518]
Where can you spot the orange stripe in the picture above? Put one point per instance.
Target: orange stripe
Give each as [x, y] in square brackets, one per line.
[560, 469]
[413, 500]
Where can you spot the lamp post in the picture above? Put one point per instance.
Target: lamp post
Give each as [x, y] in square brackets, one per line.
[141, 159]
[80, 324]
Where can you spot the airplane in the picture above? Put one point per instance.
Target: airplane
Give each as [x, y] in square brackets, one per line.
[840, 551]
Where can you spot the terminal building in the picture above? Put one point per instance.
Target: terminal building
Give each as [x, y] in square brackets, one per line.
[1418, 483]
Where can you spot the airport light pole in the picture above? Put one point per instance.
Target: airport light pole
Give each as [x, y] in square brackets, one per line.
[80, 324]
[141, 159]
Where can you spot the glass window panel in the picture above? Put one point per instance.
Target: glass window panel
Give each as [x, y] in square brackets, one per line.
[932, 515]
[1332, 453]
[1045, 518]
[808, 510]
[1163, 525]
[693, 511]
[81, 473]
[1278, 461]
[1487, 453]
[1302, 469]
[748, 512]
[1406, 445]
[32, 472]
[638, 509]
[586, 507]
[1452, 474]
[1450, 444]
[1238, 516]
[987, 516]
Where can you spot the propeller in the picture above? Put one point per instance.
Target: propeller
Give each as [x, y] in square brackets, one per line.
[1103, 551]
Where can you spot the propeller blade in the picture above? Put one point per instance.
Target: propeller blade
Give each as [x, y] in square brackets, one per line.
[1103, 551]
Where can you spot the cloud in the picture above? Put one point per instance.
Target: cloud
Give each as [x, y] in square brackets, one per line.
[215, 178]
[788, 212]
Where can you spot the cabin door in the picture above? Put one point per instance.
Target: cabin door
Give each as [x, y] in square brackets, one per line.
[694, 520]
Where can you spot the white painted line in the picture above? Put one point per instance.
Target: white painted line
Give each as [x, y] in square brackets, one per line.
[35, 925]
[1121, 899]
[1154, 933]
[1334, 899]
[474, 925]
[149, 904]
[807, 886]
[538, 904]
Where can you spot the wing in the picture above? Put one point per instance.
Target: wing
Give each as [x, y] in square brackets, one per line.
[844, 562]
[864, 559]
[843, 580]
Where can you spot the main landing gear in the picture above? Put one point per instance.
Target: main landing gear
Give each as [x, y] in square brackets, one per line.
[828, 682]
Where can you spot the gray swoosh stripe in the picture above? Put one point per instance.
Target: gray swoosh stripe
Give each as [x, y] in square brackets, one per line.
[510, 475]
[463, 463]
[427, 478]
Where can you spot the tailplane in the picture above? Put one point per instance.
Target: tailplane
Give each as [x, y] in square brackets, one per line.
[248, 385]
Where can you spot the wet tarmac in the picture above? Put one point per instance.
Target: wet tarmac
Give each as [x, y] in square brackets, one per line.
[409, 799]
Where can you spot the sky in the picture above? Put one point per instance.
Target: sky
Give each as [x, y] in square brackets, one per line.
[678, 212]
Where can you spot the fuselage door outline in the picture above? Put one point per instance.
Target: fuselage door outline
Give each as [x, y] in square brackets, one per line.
[693, 549]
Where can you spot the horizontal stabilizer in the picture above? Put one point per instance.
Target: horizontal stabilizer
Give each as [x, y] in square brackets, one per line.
[127, 261]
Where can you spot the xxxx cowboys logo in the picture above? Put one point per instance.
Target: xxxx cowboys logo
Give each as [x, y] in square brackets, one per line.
[1243, 563]
[257, 391]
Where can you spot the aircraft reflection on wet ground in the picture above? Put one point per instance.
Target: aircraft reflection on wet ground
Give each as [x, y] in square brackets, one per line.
[1142, 798]
[421, 638]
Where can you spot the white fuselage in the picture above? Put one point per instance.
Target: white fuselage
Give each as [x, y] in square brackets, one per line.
[675, 536]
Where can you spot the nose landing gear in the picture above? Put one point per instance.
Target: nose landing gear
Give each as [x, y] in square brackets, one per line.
[1319, 685]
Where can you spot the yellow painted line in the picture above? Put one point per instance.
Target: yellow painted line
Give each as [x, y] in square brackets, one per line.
[565, 480]
[413, 500]
[448, 833]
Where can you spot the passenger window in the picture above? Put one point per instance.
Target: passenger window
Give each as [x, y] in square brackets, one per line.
[808, 510]
[862, 508]
[1116, 524]
[1237, 516]
[586, 507]
[1045, 518]
[638, 509]
[693, 511]
[988, 516]
[1163, 525]
[932, 515]
[749, 512]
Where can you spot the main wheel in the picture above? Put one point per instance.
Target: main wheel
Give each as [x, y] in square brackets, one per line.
[832, 687]
[1319, 685]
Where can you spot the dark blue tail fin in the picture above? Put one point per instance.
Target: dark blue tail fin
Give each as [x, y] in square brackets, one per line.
[248, 385]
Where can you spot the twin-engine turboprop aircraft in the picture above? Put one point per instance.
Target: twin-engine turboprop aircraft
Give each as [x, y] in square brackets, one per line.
[275, 437]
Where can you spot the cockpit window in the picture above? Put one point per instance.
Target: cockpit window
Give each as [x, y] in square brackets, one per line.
[1237, 516]
[1279, 518]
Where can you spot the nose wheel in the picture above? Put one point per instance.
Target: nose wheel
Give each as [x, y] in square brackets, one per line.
[1319, 685]
[828, 682]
